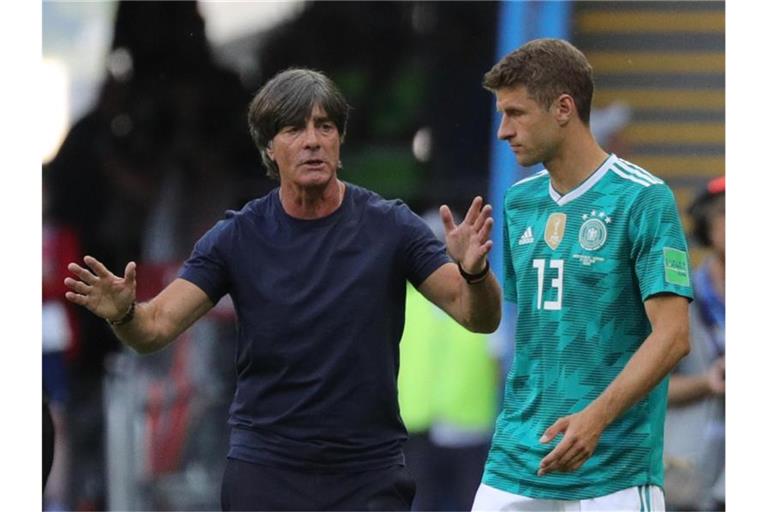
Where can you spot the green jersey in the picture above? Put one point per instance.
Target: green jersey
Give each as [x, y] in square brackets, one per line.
[579, 266]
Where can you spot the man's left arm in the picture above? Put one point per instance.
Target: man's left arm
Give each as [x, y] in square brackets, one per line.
[656, 357]
[474, 301]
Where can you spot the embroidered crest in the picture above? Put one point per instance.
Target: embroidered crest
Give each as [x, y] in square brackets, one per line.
[555, 230]
[594, 230]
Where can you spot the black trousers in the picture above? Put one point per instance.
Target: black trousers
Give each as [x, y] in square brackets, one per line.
[247, 486]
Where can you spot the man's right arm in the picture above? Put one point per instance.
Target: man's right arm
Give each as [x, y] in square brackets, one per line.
[154, 324]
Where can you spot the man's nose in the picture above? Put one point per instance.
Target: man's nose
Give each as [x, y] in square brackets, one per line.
[310, 137]
[505, 131]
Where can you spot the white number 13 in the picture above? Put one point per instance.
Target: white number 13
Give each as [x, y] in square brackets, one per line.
[557, 283]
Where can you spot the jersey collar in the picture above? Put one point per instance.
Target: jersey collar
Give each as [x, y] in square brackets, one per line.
[585, 185]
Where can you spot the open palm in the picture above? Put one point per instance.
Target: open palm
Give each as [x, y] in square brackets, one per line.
[468, 242]
[99, 290]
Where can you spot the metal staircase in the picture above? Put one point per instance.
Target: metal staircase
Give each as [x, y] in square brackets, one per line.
[666, 60]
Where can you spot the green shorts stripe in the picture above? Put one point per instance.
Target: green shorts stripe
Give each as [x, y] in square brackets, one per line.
[641, 492]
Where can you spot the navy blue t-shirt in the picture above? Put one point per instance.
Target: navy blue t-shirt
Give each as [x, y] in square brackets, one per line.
[320, 307]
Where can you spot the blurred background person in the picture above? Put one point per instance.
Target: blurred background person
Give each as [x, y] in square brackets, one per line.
[609, 125]
[60, 346]
[160, 155]
[448, 393]
[695, 426]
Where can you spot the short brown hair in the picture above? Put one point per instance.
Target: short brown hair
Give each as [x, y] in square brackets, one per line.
[547, 68]
[287, 99]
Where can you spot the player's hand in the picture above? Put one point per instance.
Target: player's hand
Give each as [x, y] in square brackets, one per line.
[99, 290]
[581, 431]
[716, 377]
[469, 243]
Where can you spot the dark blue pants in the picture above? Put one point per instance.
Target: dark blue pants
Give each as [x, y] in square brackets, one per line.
[247, 486]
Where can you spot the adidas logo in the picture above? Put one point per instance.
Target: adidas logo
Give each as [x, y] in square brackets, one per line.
[527, 237]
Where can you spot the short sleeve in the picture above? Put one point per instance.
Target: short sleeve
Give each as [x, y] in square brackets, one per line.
[207, 265]
[658, 247]
[422, 252]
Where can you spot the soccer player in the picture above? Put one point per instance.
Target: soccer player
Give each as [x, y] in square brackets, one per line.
[317, 271]
[596, 261]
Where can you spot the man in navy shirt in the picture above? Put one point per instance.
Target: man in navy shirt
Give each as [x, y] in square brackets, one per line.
[317, 272]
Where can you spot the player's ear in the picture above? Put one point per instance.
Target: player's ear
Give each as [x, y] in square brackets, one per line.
[270, 154]
[564, 108]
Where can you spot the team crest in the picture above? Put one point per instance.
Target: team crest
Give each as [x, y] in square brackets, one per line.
[594, 230]
[555, 230]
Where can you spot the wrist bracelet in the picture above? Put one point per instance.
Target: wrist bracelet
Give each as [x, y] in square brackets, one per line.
[126, 318]
[475, 278]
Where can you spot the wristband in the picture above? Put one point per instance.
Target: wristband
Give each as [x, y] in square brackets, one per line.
[475, 278]
[126, 318]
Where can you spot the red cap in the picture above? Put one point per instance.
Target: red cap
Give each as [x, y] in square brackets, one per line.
[716, 186]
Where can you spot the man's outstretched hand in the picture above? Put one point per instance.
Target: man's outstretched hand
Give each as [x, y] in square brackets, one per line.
[103, 293]
[469, 243]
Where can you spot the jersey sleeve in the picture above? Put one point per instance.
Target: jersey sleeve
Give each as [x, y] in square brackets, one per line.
[422, 252]
[207, 265]
[658, 247]
[510, 284]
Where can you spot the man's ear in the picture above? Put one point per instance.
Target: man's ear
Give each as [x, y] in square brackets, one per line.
[565, 108]
[269, 151]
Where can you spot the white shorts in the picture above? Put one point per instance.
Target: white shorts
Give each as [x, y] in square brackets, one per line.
[644, 498]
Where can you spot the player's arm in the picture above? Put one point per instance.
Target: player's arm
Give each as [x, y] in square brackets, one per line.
[684, 389]
[475, 305]
[153, 324]
[656, 357]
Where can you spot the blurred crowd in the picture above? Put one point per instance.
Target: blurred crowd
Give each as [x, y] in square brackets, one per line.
[154, 163]
[695, 428]
[163, 152]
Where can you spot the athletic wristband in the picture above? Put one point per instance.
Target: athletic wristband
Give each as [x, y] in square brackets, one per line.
[126, 318]
[475, 278]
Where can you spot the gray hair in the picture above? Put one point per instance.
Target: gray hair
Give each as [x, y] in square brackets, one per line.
[287, 99]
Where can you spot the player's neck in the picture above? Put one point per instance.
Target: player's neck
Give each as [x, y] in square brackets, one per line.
[578, 157]
[312, 202]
